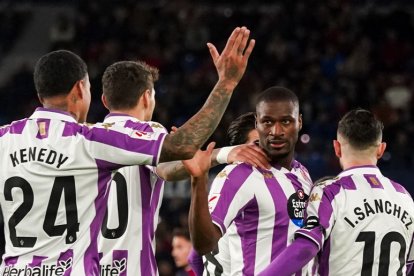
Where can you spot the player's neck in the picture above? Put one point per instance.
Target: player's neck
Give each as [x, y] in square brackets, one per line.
[358, 161]
[59, 103]
[285, 162]
[135, 112]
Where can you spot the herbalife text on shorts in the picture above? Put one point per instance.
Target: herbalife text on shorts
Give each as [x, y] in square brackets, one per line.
[44, 270]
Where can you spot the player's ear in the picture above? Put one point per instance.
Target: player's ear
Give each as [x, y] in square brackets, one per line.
[300, 121]
[337, 148]
[381, 149]
[77, 89]
[146, 97]
[104, 101]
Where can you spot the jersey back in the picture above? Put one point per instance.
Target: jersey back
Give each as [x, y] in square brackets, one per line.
[53, 181]
[126, 240]
[363, 223]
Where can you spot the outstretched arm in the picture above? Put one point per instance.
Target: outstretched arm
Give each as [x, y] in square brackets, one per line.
[231, 65]
[293, 258]
[250, 154]
[204, 234]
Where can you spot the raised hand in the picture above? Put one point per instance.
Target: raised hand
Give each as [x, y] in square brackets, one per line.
[201, 162]
[232, 62]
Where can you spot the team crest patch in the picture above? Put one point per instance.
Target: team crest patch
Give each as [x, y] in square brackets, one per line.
[314, 197]
[267, 175]
[222, 174]
[156, 125]
[296, 207]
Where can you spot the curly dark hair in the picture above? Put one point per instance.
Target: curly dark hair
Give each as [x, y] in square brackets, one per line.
[57, 72]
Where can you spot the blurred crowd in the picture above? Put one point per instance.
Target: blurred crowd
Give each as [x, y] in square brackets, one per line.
[334, 54]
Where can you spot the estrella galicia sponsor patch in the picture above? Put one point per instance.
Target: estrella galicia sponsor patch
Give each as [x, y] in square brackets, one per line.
[311, 222]
[296, 207]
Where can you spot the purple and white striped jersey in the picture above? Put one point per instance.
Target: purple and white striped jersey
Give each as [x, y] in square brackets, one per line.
[362, 222]
[258, 212]
[54, 176]
[127, 241]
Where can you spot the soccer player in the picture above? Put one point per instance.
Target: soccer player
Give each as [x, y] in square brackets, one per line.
[242, 130]
[265, 206]
[360, 222]
[127, 234]
[181, 248]
[54, 171]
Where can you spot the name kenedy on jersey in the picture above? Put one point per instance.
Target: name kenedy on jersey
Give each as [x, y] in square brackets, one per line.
[379, 206]
[32, 154]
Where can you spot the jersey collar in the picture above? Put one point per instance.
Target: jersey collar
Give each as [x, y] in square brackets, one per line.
[119, 117]
[49, 113]
[368, 169]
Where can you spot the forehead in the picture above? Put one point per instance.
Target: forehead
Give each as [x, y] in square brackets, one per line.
[277, 109]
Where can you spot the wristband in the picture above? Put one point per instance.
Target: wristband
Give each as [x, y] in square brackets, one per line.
[223, 154]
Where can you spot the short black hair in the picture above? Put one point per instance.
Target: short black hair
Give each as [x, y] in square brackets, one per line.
[57, 72]
[124, 82]
[181, 232]
[239, 129]
[277, 94]
[360, 128]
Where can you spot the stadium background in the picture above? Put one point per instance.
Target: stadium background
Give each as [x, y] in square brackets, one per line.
[335, 54]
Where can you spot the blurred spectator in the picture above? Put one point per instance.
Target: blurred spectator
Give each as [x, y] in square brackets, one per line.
[181, 248]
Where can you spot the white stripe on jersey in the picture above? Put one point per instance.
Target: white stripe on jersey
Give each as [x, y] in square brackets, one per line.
[53, 209]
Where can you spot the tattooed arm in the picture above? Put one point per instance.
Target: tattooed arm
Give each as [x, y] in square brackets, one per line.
[230, 65]
[249, 153]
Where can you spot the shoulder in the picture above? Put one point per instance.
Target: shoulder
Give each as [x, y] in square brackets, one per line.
[302, 171]
[148, 126]
[235, 173]
[400, 188]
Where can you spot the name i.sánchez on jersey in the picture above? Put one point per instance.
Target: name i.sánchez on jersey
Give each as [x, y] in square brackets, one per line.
[379, 206]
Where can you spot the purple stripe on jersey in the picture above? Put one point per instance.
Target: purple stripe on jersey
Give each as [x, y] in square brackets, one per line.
[10, 261]
[91, 258]
[143, 126]
[325, 207]
[399, 188]
[294, 179]
[247, 229]
[116, 139]
[120, 261]
[18, 126]
[281, 224]
[65, 261]
[147, 259]
[323, 258]
[4, 130]
[156, 196]
[43, 125]
[347, 183]
[232, 184]
[37, 261]
[373, 181]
